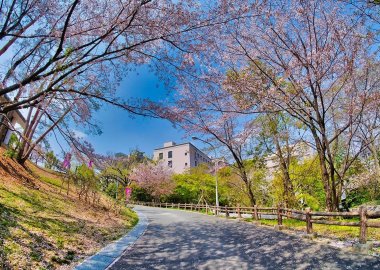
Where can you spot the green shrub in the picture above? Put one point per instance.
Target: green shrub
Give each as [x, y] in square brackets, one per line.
[13, 146]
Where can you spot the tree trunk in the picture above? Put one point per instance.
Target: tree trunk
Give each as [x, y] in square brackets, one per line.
[284, 167]
[329, 157]
[27, 153]
[321, 152]
[373, 150]
[326, 183]
[24, 139]
[250, 194]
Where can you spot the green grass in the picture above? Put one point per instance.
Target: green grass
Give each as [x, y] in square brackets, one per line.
[43, 228]
[334, 231]
[53, 181]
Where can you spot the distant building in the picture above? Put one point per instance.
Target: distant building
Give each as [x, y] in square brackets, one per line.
[17, 120]
[301, 151]
[180, 157]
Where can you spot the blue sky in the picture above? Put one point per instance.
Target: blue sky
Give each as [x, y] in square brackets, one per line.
[121, 132]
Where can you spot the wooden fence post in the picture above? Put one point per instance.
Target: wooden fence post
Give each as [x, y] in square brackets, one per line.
[172, 205]
[363, 225]
[309, 225]
[178, 205]
[279, 216]
[226, 209]
[238, 211]
[206, 209]
[191, 207]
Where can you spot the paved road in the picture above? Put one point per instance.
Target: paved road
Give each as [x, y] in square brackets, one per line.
[183, 240]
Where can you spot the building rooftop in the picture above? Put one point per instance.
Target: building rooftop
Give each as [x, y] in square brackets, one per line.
[175, 145]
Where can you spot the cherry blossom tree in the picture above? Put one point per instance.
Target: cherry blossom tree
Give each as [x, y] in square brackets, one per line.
[50, 116]
[156, 179]
[308, 59]
[118, 167]
[207, 114]
[311, 59]
[64, 54]
[62, 45]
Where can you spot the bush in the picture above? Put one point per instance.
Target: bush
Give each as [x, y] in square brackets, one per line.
[13, 146]
[88, 183]
[51, 160]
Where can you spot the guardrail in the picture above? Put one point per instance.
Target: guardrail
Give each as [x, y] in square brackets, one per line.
[279, 212]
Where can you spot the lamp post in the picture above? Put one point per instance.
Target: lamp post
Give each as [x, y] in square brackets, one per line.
[216, 175]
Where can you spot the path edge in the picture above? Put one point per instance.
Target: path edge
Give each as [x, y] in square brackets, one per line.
[111, 253]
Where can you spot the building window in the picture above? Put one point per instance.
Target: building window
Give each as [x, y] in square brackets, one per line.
[186, 164]
[170, 154]
[185, 153]
[170, 163]
[160, 155]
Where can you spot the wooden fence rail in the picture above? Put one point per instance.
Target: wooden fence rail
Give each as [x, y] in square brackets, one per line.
[310, 217]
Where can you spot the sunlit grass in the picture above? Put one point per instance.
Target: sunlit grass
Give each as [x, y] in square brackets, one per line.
[334, 231]
[44, 228]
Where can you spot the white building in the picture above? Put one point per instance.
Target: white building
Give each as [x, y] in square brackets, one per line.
[301, 151]
[15, 122]
[180, 157]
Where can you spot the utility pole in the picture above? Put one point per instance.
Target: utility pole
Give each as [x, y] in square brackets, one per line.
[216, 175]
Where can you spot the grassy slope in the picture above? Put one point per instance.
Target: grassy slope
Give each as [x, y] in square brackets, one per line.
[43, 228]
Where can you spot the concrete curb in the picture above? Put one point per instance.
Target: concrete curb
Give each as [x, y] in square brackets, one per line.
[105, 257]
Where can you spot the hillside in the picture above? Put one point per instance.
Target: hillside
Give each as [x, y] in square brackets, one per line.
[43, 228]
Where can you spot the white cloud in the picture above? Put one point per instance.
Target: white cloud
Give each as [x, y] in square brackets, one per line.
[79, 134]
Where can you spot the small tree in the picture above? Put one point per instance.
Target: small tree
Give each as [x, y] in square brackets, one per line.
[51, 160]
[13, 146]
[195, 186]
[88, 183]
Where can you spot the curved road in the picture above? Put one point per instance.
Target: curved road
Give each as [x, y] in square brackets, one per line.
[183, 240]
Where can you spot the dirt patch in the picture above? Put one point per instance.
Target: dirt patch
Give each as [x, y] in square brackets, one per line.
[11, 170]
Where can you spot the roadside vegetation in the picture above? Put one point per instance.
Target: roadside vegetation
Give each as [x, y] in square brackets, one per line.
[331, 231]
[197, 186]
[41, 227]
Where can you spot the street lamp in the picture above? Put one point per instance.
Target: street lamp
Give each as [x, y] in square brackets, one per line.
[216, 175]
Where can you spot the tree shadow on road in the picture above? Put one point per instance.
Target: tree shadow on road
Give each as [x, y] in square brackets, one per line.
[203, 242]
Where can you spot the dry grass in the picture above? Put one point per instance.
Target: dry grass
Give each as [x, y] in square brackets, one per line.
[43, 228]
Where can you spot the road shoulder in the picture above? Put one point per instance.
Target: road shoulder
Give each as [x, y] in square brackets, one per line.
[112, 252]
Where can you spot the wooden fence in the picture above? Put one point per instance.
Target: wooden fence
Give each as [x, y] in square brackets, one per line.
[278, 213]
